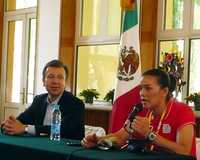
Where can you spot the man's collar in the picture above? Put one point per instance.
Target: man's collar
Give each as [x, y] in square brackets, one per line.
[56, 100]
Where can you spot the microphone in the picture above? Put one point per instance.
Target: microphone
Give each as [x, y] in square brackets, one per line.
[135, 145]
[136, 108]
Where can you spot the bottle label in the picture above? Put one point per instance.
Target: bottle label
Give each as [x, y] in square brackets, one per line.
[55, 123]
[55, 129]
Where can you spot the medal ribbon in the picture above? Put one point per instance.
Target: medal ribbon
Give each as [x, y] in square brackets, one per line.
[151, 117]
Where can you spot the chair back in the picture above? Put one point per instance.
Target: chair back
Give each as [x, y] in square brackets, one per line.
[99, 131]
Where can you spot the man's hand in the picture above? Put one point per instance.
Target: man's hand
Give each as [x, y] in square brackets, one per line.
[141, 125]
[13, 126]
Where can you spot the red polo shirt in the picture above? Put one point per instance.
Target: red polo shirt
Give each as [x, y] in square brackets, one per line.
[177, 116]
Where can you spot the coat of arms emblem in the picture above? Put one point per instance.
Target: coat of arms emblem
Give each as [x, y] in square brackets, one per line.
[128, 63]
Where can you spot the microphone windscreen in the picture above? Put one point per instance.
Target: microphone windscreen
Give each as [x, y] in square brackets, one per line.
[136, 108]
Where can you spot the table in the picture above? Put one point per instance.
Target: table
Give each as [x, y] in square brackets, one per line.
[41, 148]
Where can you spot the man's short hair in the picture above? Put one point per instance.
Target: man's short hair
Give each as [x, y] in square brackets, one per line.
[55, 63]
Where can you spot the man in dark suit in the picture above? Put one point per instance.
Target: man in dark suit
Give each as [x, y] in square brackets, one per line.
[36, 119]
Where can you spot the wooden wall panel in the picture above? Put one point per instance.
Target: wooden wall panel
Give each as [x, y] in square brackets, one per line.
[1, 40]
[67, 58]
[1, 32]
[67, 37]
[148, 33]
[98, 118]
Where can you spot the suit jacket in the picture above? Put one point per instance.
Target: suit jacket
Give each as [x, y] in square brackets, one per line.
[72, 115]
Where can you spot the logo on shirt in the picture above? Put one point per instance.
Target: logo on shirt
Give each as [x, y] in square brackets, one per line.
[166, 128]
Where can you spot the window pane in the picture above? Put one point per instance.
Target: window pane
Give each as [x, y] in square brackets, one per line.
[114, 18]
[194, 66]
[96, 68]
[196, 22]
[13, 74]
[173, 14]
[31, 67]
[171, 58]
[91, 17]
[20, 4]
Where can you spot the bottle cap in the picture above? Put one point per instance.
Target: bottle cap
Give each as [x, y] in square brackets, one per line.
[56, 106]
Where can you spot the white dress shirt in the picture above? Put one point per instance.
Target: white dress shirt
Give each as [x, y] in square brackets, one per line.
[47, 117]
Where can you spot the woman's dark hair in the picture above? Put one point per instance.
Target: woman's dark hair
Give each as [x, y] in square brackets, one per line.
[172, 83]
[55, 63]
[164, 80]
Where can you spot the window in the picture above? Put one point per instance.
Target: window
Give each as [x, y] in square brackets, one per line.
[196, 24]
[171, 59]
[173, 14]
[96, 67]
[15, 30]
[19, 49]
[194, 74]
[179, 35]
[97, 43]
[91, 18]
[12, 5]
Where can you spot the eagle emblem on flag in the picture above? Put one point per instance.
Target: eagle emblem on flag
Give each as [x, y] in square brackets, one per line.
[128, 63]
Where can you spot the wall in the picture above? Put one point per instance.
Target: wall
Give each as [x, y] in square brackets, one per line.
[148, 33]
[67, 37]
[98, 118]
[1, 38]
[1, 32]
[48, 34]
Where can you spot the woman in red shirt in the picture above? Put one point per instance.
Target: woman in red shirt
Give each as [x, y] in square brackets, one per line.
[165, 122]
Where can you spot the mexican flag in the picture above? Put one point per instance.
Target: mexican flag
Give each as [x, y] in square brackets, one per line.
[129, 69]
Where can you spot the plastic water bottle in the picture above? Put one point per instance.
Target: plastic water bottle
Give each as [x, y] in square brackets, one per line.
[55, 123]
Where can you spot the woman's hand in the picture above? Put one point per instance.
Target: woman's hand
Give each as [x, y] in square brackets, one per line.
[116, 139]
[141, 125]
[90, 141]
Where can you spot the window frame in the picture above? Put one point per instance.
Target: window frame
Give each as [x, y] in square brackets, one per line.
[102, 39]
[24, 15]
